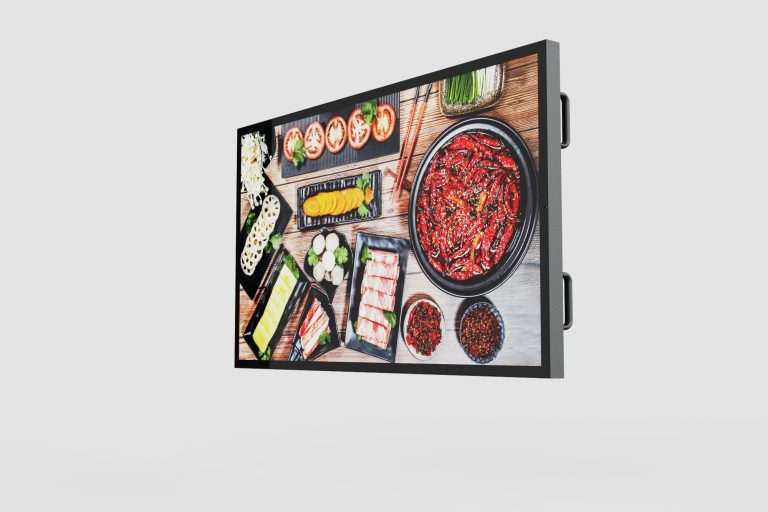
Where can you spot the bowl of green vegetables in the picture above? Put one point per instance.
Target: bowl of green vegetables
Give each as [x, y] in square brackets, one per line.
[472, 91]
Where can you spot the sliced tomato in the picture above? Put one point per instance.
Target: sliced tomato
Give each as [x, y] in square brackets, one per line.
[359, 130]
[336, 134]
[289, 140]
[384, 125]
[314, 140]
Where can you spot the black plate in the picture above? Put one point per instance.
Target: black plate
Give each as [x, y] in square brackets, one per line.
[304, 222]
[261, 304]
[296, 352]
[347, 155]
[251, 283]
[521, 240]
[328, 288]
[384, 243]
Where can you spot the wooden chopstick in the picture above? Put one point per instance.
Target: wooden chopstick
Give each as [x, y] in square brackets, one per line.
[411, 145]
[405, 143]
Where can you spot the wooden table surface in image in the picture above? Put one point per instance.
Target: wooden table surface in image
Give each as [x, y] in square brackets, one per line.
[518, 299]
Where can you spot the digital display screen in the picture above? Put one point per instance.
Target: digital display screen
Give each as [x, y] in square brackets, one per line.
[401, 230]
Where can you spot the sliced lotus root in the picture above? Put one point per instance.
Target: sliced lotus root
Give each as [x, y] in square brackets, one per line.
[257, 238]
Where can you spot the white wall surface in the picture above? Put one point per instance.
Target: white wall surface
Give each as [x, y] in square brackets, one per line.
[117, 386]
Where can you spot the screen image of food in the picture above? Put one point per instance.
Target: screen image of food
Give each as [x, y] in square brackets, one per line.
[468, 204]
[402, 229]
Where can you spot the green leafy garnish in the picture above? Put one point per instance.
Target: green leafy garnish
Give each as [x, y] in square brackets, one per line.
[365, 255]
[312, 257]
[299, 154]
[274, 242]
[369, 110]
[354, 326]
[249, 221]
[364, 181]
[341, 254]
[390, 316]
[291, 264]
[324, 338]
[266, 355]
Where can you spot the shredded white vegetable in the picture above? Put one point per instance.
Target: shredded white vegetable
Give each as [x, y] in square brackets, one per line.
[253, 155]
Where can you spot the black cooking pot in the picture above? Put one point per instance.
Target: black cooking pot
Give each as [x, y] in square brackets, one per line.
[521, 240]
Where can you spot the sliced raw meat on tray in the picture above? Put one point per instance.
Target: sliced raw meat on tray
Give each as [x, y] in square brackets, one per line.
[385, 257]
[313, 327]
[373, 313]
[380, 284]
[377, 283]
[374, 268]
[373, 332]
[377, 299]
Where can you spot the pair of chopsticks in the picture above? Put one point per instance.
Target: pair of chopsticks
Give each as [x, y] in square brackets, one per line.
[409, 144]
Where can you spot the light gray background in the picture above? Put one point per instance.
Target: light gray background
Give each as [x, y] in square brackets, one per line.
[117, 390]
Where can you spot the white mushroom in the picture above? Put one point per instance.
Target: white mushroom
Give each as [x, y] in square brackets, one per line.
[329, 260]
[318, 272]
[318, 244]
[337, 274]
[332, 241]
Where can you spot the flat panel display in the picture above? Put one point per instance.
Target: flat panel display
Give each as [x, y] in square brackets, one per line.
[407, 229]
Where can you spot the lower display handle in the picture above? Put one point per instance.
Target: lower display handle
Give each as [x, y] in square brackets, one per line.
[568, 301]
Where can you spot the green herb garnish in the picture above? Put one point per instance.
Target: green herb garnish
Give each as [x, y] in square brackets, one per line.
[299, 154]
[390, 316]
[273, 243]
[364, 181]
[324, 338]
[249, 221]
[312, 257]
[365, 255]
[341, 254]
[266, 355]
[354, 327]
[370, 110]
[291, 264]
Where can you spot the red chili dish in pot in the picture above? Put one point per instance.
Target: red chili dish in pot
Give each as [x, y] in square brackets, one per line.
[468, 205]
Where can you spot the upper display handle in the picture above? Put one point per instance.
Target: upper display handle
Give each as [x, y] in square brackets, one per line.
[566, 120]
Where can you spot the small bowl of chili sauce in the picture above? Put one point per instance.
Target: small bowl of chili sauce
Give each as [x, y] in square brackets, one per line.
[481, 332]
[423, 329]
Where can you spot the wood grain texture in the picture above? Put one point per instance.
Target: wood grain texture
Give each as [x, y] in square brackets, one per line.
[518, 300]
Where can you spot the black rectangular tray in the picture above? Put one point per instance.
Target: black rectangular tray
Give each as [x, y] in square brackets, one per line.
[385, 243]
[261, 304]
[372, 148]
[305, 222]
[251, 283]
[296, 353]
